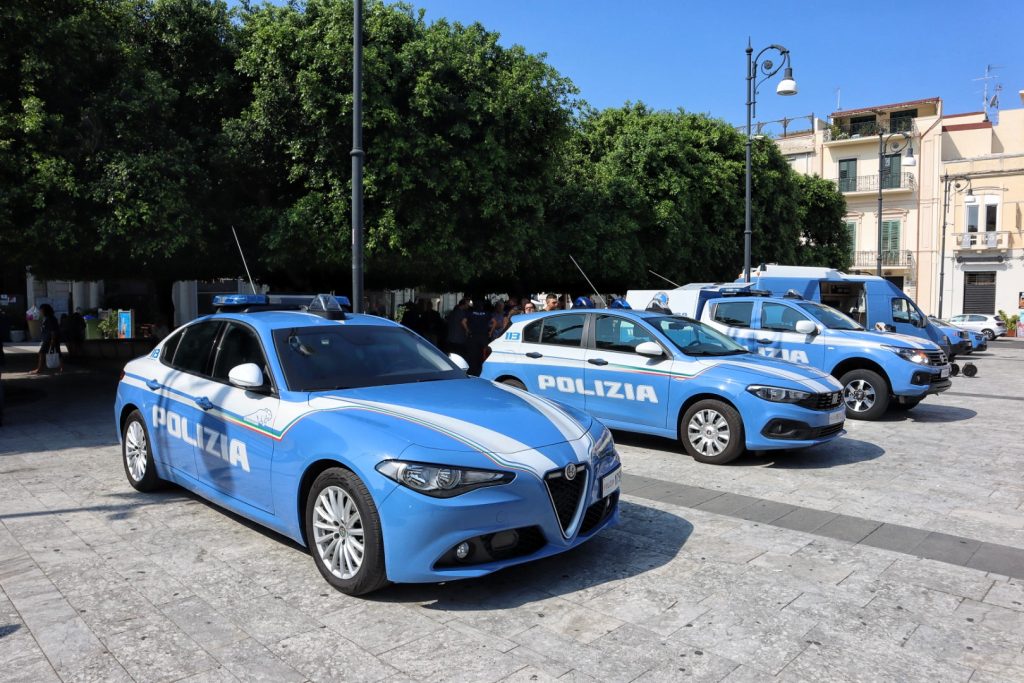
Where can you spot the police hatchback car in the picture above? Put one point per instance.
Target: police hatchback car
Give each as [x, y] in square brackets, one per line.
[669, 376]
[355, 437]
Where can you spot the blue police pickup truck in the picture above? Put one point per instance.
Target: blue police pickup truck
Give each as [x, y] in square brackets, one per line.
[877, 369]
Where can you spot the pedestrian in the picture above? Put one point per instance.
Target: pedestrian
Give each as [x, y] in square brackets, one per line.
[551, 302]
[479, 322]
[76, 333]
[498, 321]
[529, 307]
[458, 329]
[51, 339]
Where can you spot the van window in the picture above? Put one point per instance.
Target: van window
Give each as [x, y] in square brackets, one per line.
[613, 333]
[905, 312]
[734, 313]
[779, 317]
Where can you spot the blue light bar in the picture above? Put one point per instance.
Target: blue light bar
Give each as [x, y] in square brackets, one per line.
[239, 299]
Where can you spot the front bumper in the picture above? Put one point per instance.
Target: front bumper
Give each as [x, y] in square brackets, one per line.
[774, 426]
[503, 525]
[962, 346]
[918, 381]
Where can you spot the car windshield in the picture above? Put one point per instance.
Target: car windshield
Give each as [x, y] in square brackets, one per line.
[830, 317]
[326, 357]
[694, 338]
[940, 321]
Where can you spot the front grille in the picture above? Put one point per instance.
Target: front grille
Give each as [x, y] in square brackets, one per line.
[598, 512]
[826, 401]
[936, 358]
[566, 494]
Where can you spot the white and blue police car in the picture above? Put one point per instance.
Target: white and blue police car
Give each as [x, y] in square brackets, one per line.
[353, 436]
[671, 376]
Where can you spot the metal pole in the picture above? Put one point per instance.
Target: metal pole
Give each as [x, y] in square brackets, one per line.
[357, 157]
[881, 158]
[942, 249]
[746, 224]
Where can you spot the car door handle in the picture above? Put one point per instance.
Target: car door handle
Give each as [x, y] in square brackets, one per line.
[153, 384]
[597, 361]
[534, 354]
[204, 403]
[764, 341]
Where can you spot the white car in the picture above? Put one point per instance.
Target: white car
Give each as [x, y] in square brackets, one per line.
[991, 326]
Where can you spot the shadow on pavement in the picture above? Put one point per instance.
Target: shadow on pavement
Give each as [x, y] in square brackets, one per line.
[843, 451]
[929, 413]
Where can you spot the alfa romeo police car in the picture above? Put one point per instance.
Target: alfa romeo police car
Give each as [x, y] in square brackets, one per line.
[670, 376]
[357, 438]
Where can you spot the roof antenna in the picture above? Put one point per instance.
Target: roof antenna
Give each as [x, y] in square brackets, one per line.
[597, 294]
[663, 278]
[246, 265]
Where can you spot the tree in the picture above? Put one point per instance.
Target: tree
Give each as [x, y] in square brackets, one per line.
[825, 241]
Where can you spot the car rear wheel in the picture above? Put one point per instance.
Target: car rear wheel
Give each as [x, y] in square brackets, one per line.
[866, 394]
[989, 334]
[512, 382]
[344, 534]
[137, 454]
[712, 432]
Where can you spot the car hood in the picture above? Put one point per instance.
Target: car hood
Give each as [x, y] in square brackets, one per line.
[462, 415]
[891, 338]
[752, 368]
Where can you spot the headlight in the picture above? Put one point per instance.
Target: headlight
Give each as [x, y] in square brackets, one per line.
[440, 481]
[778, 394]
[913, 355]
[602, 445]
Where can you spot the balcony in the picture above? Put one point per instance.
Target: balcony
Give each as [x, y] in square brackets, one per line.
[869, 183]
[838, 132]
[978, 241]
[896, 258]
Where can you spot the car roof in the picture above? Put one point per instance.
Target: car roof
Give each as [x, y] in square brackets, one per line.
[267, 321]
[624, 312]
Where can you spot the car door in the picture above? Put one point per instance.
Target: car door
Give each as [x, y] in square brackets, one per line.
[237, 447]
[553, 357]
[620, 383]
[777, 336]
[907, 319]
[177, 414]
[734, 318]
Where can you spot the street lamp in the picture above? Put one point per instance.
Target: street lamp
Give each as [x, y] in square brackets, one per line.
[894, 145]
[787, 86]
[959, 183]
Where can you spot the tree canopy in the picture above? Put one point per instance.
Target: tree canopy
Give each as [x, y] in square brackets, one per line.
[134, 134]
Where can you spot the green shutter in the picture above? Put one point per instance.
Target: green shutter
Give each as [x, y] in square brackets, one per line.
[848, 175]
[851, 227]
[891, 172]
[890, 238]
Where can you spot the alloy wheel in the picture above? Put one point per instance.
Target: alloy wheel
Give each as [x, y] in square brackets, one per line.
[135, 450]
[859, 396]
[708, 432]
[338, 532]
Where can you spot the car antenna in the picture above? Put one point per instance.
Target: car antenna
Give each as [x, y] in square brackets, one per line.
[596, 293]
[663, 278]
[244, 264]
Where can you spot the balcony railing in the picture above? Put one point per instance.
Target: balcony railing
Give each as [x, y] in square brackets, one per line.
[993, 239]
[869, 183]
[896, 258]
[852, 131]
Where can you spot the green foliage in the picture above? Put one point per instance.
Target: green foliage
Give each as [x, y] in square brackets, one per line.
[824, 238]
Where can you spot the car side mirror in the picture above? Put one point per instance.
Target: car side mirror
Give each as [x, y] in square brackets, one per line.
[246, 376]
[884, 327]
[460, 361]
[806, 327]
[650, 349]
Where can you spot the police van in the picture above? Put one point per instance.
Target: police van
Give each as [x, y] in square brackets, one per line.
[876, 370]
[670, 376]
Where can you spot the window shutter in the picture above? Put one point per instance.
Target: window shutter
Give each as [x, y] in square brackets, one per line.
[890, 236]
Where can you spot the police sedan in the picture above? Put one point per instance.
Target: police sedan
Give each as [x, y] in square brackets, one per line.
[357, 438]
[670, 376]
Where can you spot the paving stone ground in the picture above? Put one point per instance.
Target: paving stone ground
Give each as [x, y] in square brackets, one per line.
[100, 583]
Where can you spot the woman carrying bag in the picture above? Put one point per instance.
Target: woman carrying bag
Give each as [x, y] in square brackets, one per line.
[49, 348]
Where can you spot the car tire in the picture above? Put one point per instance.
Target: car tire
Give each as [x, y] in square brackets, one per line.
[712, 432]
[989, 334]
[866, 394]
[906, 404]
[339, 499]
[513, 382]
[137, 454]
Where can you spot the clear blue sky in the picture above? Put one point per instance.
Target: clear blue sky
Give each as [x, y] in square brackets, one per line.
[690, 53]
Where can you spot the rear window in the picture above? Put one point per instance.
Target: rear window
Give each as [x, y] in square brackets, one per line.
[196, 347]
[734, 313]
[560, 330]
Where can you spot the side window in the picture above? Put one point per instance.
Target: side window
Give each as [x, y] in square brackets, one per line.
[238, 345]
[977, 318]
[532, 332]
[563, 330]
[618, 334]
[734, 313]
[779, 317]
[170, 346]
[196, 347]
[903, 312]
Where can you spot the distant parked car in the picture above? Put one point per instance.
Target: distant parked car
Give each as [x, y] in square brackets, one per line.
[979, 342]
[992, 326]
[959, 338]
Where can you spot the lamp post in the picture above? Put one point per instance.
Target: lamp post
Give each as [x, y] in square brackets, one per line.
[787, 86]
[959, 183]
[894, 145]
[357, 157]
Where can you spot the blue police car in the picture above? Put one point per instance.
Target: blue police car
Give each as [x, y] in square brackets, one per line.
[357, 438]
[671, 376]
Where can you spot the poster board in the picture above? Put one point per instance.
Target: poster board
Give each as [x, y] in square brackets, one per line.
[126, 324]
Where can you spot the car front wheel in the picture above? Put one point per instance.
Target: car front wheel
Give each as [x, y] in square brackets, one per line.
[712, 432]
[137, 454]
[344, 534]
[512, 382]
[866, 394]
[989, 334]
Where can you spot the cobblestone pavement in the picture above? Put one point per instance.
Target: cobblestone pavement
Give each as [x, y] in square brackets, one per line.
[854, 561]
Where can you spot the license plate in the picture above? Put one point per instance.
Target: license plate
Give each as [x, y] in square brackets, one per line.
[944, 372]
[610, 482]
[837, 417]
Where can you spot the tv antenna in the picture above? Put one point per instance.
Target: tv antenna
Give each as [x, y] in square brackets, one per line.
[986, 102]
